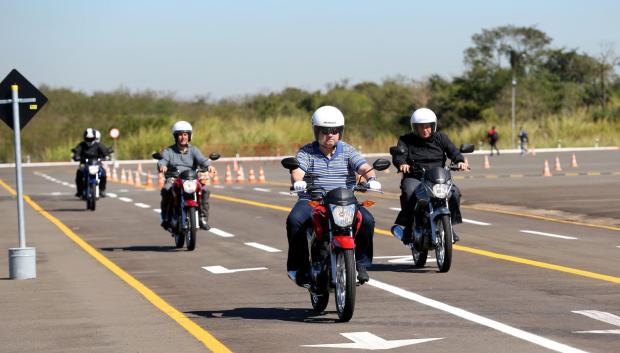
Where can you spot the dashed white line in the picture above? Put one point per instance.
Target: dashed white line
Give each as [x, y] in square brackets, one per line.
[395, 209]
[262, 247]
[157, 210]
[285, 193]
[125, 199]
[262, 189]
[496, 325]
[218, 186]
[548, 234]
[142, 205]
[112, 195]
[476, 222]
[221, 233]
[56, 193]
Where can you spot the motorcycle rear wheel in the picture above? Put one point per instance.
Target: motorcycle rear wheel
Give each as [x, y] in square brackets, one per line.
[319, 300]
[443, 250]
[345, 284]
[419, 257]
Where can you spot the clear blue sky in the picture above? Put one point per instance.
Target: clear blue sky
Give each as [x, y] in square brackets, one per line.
[232, 48]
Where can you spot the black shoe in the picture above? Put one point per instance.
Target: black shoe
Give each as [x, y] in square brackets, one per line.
[203, 223]
[407, 238]
[455, 237]
[78, 194]
[302, 279]
[165, 224]
[362, 275]
[102, 193]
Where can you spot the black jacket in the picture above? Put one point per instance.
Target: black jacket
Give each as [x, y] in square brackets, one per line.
[426, 153]
[83, 151]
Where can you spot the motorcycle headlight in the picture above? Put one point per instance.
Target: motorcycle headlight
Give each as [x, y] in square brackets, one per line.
[189, 186]
[343, 215]
[93, 169]
[441, 190]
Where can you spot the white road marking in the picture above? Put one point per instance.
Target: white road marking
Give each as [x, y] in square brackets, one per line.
[112, 195]
[262, 247]
[285, 193]
[221, 269]
[125, 199]
[547, 234]
[476, 222]
[221, 233]
[142, 205]
[367, 340]
[262, 189]
[123, 190]
[218, 187]
[157, 210]
[395, 209]
[496, 325]
[56, 193]
[237, 187]
[65, 183]
[600, 316]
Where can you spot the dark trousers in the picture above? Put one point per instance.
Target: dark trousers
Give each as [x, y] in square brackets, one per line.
[166, 195]
[79, 180]
[300, 220]
[494, 146]
[408, 201]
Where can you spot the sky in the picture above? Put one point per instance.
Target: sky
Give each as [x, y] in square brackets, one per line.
[226, 49]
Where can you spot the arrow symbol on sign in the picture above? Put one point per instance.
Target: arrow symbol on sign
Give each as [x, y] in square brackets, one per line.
[366, 340]
[601, 316]
[221, 269]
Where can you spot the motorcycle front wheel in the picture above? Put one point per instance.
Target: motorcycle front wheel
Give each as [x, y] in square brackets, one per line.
[191, 232]
[345, 284]
[443, 250]
[91, 199]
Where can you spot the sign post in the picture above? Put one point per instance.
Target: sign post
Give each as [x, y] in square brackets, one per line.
[22, 260]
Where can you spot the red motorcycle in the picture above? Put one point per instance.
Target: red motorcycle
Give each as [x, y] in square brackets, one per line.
[336, 220]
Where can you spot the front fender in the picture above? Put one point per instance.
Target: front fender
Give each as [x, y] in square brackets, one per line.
[343, 242]
[439, 211]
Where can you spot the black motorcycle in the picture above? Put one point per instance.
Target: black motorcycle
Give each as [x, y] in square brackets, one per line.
[432, 196]
[331, 241]
[184, 204]
[92, 172]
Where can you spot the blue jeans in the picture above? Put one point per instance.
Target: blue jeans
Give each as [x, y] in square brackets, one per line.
[300, 220]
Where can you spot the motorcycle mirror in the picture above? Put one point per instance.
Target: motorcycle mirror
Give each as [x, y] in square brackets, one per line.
[156, 155]
[397, 150]
[290, 163]
[214, 156]
[467, 148]
[381, 164]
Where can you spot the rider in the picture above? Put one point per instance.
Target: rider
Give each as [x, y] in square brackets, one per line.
[332, 164]
[90, 148]
[425, 148]
[183, 156]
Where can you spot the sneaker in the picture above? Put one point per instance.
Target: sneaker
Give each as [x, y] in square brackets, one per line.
[203, 223]
[362, 275]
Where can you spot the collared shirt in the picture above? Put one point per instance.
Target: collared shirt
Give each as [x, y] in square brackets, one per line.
[190, 159]
[329, 173]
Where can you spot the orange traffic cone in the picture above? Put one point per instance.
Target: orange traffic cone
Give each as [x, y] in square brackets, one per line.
[487, 165]
[140, 167]
[107, 169]
[251, 176]
[558, 167]
[123, 176]
[573, 163]
[261, 176]
[129, 177]
[114, 175]
[216, 178]
[240, 175]
[149, 180]
[228, 178]
[138, 181]
[160, 180]
[546, 171]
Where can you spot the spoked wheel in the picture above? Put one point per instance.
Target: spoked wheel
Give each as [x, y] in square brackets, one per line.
[191, 232]
[345, 284]
[91, 199]
[443, 250]
[319, 300]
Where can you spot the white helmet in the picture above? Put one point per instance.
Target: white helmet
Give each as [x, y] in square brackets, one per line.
[89, 136]
[423, 116]
[97, 136]
[328, 117]
[181, 126]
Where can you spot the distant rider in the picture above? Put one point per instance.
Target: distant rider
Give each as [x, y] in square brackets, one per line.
[425, 148]
[183, 156]
[90, 149]
[333, 164]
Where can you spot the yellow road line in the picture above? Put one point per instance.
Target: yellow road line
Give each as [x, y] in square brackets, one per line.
[201, 334]
[514, 213]
[486, 253]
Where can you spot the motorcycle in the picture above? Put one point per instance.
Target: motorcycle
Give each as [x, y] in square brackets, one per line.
[432, 196]
[336, 219]
[92, 171]
[184, 204]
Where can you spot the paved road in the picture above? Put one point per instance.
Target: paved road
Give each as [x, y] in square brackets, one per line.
[518, 283]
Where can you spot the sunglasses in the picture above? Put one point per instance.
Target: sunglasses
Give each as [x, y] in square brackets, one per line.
[330, 130]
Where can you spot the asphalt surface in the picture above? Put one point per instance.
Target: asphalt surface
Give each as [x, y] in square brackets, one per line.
[536, 266]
